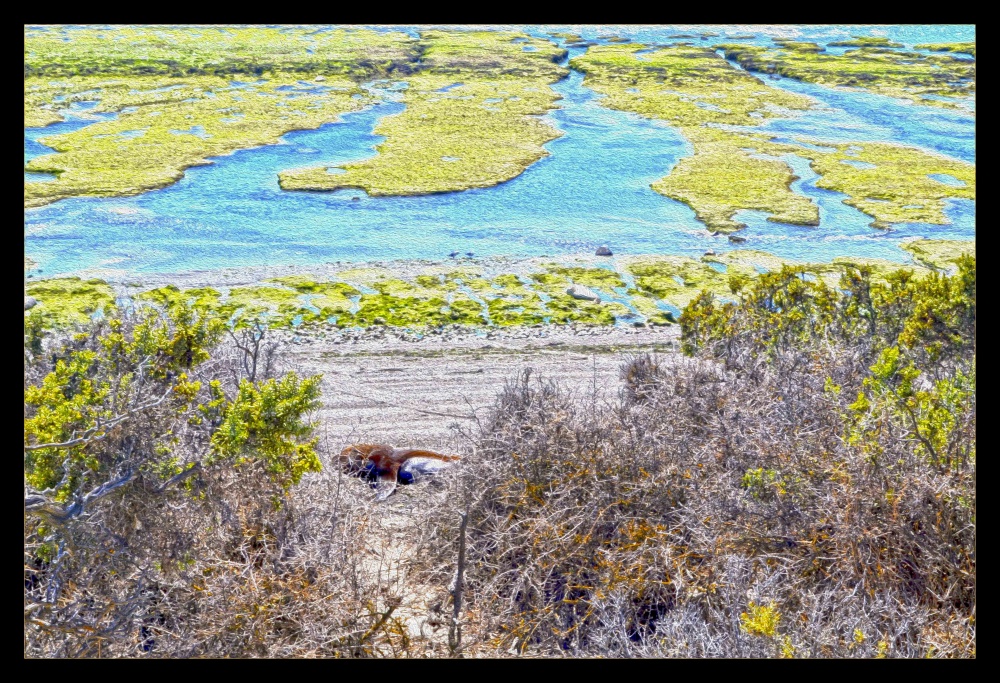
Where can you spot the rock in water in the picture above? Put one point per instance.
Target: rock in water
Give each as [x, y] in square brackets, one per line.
[29, 302]
[581, 292]
[736, 239]
[603, 250]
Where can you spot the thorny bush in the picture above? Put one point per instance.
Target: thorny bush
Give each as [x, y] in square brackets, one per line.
[167, 512]
[802, 486]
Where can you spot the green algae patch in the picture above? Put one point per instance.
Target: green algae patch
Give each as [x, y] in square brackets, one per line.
[693, 88]
[966, 48]
[68, 301]
[595, 278]
[676, 279]
[107, 159]
[170, 296]
[897, 189]
[939, 254]
[876, 68]
[524, 310]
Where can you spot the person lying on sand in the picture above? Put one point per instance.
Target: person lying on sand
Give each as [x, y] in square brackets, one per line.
[392, 465]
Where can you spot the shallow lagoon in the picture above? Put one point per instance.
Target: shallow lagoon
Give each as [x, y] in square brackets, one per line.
[593, 189]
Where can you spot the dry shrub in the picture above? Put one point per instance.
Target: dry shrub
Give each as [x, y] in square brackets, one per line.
[751, 507]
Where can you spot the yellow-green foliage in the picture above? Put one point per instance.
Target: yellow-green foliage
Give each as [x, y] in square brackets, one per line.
[690, 87]
[100, 161]
[898, 188]
[65, 301]
[476, 134]
[760, 620]
[92, 385]
[169, 296]
[872, 67]
[264, 422]
[967, 48]
[939, 254]
[190, 50]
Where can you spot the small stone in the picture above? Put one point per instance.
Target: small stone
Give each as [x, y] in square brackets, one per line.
[603, 250]
[581, 292]
[320, 79]
[355, 199]
[710, 252]
[736, 239]
[29, 302]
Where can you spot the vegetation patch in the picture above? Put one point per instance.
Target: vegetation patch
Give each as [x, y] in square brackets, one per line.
[690, 88]
[470, 119]
[897, 188]
[99, 161]
[967, 48]
[67, 301]
[873, 66]
[939, 254]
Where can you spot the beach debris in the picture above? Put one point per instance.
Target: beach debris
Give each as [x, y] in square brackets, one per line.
[29, 302]
[389, 465]
[603, 250]
[581, 292]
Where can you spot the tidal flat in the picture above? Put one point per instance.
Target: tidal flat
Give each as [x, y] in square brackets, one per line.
[164, 150]
[632, 291]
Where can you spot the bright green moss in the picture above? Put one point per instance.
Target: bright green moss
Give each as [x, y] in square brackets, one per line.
[798, 46]
[722, 178]
[527, 310]
[677, 279]
[68, 301]
[564, 309]
[599, 278]
[401, 311]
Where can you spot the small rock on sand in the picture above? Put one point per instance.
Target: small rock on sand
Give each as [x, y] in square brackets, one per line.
[603, 250]
[29, 302]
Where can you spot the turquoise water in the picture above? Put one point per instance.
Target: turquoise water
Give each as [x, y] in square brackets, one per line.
[592, 189]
